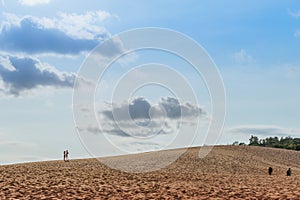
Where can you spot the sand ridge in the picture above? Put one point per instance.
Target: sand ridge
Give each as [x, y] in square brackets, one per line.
[228, 172]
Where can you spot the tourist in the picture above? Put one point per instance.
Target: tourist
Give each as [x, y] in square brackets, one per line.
[270, 170]
[289, 172]
[64, 155]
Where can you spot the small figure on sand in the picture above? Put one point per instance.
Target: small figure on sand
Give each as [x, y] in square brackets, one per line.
[66, 155]
[289, 172]
[270, 170]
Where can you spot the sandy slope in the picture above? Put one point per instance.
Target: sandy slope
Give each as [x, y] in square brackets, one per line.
[228, 172]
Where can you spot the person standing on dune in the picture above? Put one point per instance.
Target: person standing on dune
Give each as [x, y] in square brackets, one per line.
[67, 155]
[270, 170]
[289, 172]
[64, 155]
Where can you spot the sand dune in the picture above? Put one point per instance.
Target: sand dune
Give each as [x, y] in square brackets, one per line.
[228, 172]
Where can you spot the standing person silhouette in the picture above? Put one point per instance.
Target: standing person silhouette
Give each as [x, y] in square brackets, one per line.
[289, 172]
[67, 155]
[270, 170]
[64, 155]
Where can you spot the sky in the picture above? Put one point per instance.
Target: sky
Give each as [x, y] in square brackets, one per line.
[51, 61]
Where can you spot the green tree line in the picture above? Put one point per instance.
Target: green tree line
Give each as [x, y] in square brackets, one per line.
[285, 143]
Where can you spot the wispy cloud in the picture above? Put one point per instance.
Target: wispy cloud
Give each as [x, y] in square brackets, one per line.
[295, 14]
[15, 143]
[18, 74]
[242, 57]
[297, 33]
[85, 26]
[33, 2]
[263, 131]
[292, 71]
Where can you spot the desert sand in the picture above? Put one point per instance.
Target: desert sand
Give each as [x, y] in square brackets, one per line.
[228, 172]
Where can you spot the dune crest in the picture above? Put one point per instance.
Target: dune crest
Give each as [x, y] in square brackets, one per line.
[228, 172]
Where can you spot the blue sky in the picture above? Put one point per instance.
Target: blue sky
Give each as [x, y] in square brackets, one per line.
[255, 45]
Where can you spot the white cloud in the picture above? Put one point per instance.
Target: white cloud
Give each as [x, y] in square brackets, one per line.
[297, 33]
[33, 2]
[65, 34]
[26, 73]
[141, 108]
[242, 57]
[86, 25]
[295, 14]
[292, 71]
[142, 118]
